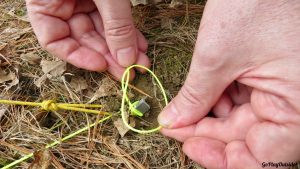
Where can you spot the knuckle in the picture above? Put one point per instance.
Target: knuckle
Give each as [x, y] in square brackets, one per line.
[119, 29]
[190, 95]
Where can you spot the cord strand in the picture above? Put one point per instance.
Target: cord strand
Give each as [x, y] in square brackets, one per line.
[125, 99]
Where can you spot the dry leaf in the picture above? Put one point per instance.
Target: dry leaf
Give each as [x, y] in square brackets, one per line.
[38, 82]
[31, 58]
[6, 77]
[176, 3]
[42, 160]
[53, 68]
[138, 2]
[105, 89]
[2, 112]
[78, 84]
[122, 129]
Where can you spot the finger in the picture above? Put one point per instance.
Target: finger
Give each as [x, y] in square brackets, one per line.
[69, 50]
[263, 138]
[142, 42]
[239, 93]
[97, 20]
[47, 20]
[237, 149]
[62, 9]
[143, 60]
[53, 33]
[116, 70]
[223, 107]
[119, 29]
[57, 41]
[209, 153]
[279, 124]
[214, 154]
[180, 134]
[83, 30]
[235, 127]
[208, 77]
[84, 6]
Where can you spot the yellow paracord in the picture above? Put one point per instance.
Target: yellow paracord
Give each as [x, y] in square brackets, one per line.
[51, 105]
[124, 83]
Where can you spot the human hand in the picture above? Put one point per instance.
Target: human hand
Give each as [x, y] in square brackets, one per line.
[245, 69]
[95, 35]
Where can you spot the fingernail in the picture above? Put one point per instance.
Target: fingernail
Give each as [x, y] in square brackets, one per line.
[126, 56]
[168, 116]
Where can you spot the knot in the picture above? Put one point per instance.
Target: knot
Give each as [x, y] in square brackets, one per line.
[49, 105]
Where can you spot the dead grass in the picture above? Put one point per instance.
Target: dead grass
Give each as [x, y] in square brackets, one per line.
[171, 33]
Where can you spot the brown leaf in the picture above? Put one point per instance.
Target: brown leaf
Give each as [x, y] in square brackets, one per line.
[53, 68]
[4, 77]
[122, 129]
[78, 84]
[9, 79]
[176, 3]
[139, 2]
[42, 160]
[106, 88]
[40, 81]
[31, 58]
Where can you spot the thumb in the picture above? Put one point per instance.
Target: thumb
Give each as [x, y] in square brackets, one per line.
[210, 73]
[119, 30]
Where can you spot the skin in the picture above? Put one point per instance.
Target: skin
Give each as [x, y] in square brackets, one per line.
[245, 70]
[89, 35]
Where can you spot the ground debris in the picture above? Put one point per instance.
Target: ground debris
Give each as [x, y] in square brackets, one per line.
[42, 160]
[122, 129]
[52, 70]
[176, 3]
[9, 79]
[78, 84]
[2, 112]
[139, 2]
[31, 58]
[106, 88]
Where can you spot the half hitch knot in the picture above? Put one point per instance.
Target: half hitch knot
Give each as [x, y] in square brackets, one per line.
[49, 105]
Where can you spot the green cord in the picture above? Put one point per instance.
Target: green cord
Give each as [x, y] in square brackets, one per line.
[125, 98]
[56, 142]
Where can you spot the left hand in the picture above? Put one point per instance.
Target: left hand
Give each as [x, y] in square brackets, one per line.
[95, 35]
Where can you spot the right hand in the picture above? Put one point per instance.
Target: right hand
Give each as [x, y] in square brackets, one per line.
[95, 35]
[246, 69]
